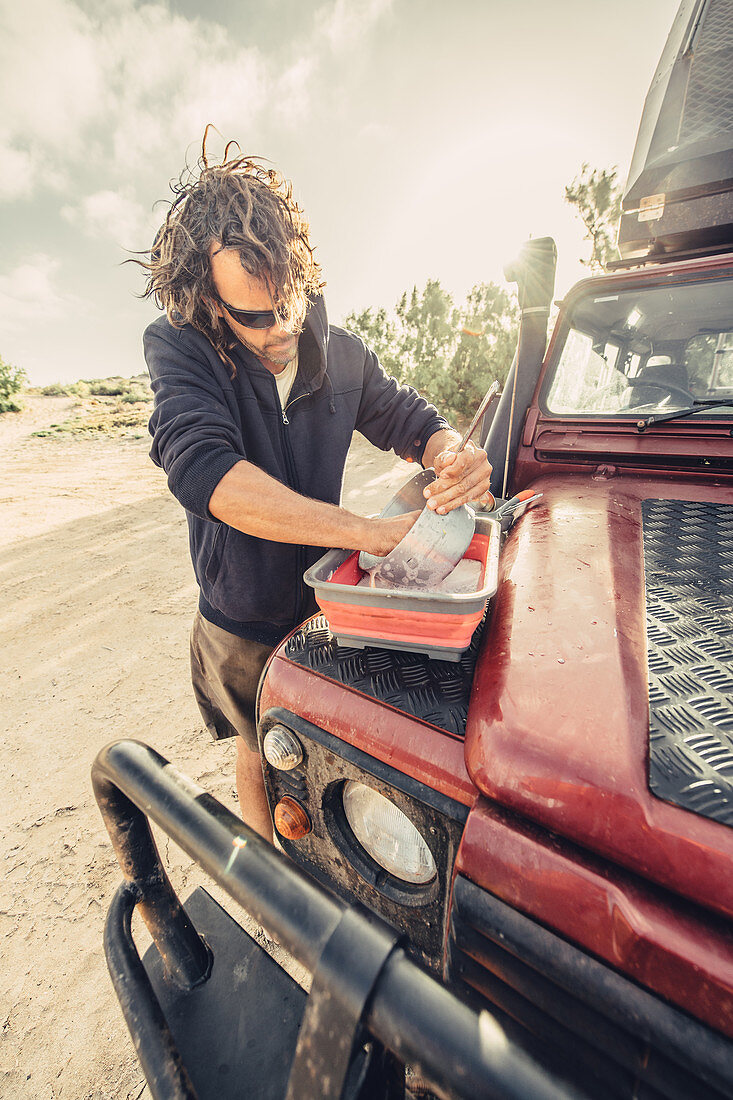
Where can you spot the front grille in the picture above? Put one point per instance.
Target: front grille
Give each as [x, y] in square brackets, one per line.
[582, 1019]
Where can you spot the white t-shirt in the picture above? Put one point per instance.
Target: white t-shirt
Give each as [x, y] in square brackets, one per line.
[284, 381]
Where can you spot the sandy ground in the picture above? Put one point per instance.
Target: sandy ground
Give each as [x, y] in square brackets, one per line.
[98, 596]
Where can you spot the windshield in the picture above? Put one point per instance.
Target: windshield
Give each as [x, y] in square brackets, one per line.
[646, 350]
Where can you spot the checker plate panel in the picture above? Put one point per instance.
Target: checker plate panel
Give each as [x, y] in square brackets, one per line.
[434, 691]
[688, 558]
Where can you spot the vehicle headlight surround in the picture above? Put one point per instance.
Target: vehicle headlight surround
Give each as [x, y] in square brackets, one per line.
[387, 834]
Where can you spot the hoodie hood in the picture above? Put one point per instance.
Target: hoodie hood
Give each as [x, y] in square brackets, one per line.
[314, 342]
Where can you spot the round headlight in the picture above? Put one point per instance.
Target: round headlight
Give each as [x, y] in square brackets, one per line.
[282, 749]
[387, 834]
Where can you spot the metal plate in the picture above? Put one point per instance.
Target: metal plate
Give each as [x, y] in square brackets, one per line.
[433, 691]
[688, 556]
[709, 94]
[237, 1031]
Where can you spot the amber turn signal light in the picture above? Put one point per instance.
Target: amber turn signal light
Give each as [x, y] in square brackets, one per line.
[291, 820]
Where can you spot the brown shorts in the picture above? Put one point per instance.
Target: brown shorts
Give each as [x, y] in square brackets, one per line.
[225, 672]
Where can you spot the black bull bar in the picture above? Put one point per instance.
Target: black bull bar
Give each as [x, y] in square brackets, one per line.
[371, 1009]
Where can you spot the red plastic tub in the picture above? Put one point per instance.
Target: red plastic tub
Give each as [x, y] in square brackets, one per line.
[437, 623]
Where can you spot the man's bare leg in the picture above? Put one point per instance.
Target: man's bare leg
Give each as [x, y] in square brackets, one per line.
[251, 791]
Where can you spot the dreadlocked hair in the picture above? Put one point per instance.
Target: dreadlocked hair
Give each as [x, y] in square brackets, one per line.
[239, 204]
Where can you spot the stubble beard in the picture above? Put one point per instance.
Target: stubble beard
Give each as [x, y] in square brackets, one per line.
[279, 358]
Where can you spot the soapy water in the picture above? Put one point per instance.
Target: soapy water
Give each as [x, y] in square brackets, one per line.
[464, 578]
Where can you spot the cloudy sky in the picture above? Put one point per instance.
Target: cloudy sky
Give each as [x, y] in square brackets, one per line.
[424, 139]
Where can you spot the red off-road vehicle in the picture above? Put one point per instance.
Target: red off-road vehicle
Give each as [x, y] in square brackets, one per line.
[547, 822]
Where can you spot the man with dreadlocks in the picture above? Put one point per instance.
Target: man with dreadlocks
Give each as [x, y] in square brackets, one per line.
[256, 400]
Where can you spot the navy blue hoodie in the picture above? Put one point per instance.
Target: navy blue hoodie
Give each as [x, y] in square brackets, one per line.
[204, 422]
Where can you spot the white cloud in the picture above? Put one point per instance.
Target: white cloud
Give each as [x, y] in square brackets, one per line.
[377, 132]
[113, 214]
[346, 21]
[113, 91]
[17, 172]
[51, 82]
[169, 76]
[291, 94]
[30, 293]
[104, 91]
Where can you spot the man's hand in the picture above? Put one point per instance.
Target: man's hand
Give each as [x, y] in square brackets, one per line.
[384, 534]
[461, 478]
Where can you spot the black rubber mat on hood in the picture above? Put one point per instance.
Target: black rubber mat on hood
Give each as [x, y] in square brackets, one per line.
[688, 557]
[433, 691]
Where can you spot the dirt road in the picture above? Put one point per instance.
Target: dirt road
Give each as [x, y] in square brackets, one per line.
[98, 598]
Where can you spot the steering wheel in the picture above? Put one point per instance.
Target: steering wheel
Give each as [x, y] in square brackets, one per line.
[669, 388]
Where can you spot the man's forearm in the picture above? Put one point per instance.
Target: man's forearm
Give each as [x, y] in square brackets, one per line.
[254, 502]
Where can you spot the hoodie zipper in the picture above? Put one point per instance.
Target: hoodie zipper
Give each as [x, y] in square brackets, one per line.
[293, 477]
[290, 404]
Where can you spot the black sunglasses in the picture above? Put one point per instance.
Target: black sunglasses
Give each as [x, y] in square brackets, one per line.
[250, 318]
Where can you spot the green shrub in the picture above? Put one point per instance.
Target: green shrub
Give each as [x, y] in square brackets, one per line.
[66, 389]
[12, 380]
[129, 390]
[108, 387]
[135, 396]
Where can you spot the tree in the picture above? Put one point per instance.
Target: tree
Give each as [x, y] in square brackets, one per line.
[379, 332]
[425, 332]
[450, 353]
[487, 339]
[596, 196]
[414, 342]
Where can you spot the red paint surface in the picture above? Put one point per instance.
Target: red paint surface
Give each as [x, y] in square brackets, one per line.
[415, 748]
[558, 726]
[656, 940]
[444, 626]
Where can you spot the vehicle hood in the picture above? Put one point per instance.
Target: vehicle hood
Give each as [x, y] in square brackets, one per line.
[558, 726]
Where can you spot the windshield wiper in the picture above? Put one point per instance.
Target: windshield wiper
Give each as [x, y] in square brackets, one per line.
[679, 414]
